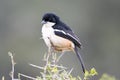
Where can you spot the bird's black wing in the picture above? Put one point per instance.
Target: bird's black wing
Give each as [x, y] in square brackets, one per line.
[67, 33]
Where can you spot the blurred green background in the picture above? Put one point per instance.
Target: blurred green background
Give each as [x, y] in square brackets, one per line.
[96, 22]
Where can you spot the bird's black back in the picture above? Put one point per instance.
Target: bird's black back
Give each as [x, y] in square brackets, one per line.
[70, 34]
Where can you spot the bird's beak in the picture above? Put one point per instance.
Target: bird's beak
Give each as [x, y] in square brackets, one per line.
[43, 22]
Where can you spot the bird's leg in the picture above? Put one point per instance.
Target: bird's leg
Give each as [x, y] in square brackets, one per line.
[62, 53]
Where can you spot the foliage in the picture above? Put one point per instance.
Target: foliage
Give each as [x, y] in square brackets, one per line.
[107, 77]
[52, 71]
[90, 73]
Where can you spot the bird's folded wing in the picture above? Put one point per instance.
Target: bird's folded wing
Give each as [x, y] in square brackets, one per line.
[68, 35]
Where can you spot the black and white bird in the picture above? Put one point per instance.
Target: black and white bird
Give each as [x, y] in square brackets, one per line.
[58, 36]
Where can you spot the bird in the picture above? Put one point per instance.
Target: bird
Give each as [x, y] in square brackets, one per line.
[59, 36]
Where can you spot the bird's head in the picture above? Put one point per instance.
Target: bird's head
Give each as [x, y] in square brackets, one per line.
[50, 17]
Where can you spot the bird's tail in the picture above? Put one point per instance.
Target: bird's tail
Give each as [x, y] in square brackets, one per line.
[80, 58]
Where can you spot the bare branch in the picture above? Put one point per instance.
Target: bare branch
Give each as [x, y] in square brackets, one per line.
[13, 65]
[36, 66]
[26, 76]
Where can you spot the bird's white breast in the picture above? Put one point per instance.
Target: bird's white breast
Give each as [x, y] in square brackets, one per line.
[50, 37]
[47, 32]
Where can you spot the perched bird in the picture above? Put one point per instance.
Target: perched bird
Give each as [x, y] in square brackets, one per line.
[60, 37]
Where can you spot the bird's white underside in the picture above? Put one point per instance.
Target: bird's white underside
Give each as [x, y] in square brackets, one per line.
[48, 34]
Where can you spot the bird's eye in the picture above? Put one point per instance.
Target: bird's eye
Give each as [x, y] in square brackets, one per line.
[49, 19]
[46, 19]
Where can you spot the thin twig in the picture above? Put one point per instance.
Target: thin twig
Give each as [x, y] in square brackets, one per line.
[59, 66]
[70, 71]
[36, 66]
[27, 76]
[60, 57]
[13, 65]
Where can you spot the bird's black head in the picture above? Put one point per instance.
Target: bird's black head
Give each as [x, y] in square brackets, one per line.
[50, 17]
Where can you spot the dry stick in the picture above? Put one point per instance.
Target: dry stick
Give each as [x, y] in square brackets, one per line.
[70, 71]
[36, 66]
[13, 65]
[53, 57]
[59, 66]
[45, 68]
[26, 76]
[60, 56]
[42, 68]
